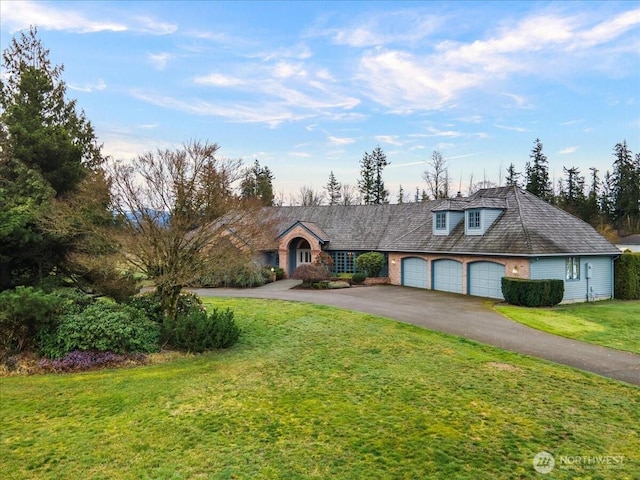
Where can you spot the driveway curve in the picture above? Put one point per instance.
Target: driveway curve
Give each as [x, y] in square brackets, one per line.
[462, 315]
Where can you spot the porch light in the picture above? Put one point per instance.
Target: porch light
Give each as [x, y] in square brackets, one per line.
[393, 262]
[515, 270]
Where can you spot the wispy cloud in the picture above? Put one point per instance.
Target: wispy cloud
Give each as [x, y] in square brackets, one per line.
[160, 60]
[89, 87]
[407, 80]
[19, 15]
[341, 140]
[568, 150]
[389, 139]
[219, 80]
[513, 129]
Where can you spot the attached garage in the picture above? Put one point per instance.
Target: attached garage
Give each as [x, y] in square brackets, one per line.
[485, 279]
[414, 272]
[447, 276]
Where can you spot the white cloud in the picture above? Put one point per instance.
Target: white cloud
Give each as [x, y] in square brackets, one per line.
[20, 15]
[389, 139]
[219, 80]
[544, 45]
[568, 150]
[607, 30]
[160, 60]
[341, 141]
[88, 88]
[513, 129]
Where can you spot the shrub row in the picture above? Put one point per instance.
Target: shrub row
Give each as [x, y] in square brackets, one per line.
[55, 324]
[532, 293]
[627, 277]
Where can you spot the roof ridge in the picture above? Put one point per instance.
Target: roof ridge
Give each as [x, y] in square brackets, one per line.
[517, 191]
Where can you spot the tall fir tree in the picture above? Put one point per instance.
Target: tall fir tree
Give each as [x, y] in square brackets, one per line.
[537, 173]
[257, 184]
[572, 198]
[380, 193]
[626, 189]
[366, 182]
[50, 149]
[513, 177]
[334, 190]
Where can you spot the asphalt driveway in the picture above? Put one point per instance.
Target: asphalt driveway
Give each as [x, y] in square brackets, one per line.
[466, 316]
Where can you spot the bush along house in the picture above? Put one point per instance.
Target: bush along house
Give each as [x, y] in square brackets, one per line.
[461, 245]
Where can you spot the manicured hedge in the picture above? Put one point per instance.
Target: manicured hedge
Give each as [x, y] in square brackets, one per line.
[532, 293]
[627, 277]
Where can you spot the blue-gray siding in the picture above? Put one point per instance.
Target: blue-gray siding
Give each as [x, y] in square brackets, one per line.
[600, 285]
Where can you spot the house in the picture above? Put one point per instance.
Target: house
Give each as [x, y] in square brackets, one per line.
[629, 243]
[461, 245]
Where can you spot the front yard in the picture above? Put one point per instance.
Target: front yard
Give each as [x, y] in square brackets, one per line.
[612, 323]
[318, 392]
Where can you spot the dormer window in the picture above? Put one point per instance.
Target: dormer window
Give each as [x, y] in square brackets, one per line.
[473, 219]
[441, 221]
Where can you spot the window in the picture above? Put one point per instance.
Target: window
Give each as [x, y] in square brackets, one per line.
[473, 219]
[343, 262]
[573, 268]
[441, 221]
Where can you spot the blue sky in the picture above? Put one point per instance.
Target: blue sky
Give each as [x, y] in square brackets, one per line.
[308, 87]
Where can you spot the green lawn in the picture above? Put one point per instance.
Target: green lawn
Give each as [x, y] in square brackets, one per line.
[612, 323]
[318, 392]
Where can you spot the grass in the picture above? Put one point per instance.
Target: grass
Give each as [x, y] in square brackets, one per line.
[318, 392]
[611, 323]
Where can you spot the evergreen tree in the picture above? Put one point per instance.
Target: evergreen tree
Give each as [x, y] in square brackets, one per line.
[400, 195]
[513, 177]
[366, 182]
[258, 184]
[592, 206]
[572, 198]
[334, 190]
[537, 173]
[49, 150]
[380, 194]
[626, 189]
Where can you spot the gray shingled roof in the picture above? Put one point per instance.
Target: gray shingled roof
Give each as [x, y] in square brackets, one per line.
[528, 226]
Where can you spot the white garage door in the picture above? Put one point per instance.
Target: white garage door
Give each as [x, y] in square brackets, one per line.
[447, 276]
[485, 279]
[414, 272]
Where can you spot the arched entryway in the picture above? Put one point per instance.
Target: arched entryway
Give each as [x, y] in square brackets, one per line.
[299, 253]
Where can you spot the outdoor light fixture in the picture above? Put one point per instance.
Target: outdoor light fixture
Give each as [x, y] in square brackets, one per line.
[515, 270]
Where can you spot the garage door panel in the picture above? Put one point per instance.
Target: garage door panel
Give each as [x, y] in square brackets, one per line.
[485, 279]
[414, 272]
[447, 276]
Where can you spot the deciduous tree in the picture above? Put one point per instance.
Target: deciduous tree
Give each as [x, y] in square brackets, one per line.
[178, 224]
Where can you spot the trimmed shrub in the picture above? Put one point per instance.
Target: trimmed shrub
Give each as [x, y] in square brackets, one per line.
[103, 327]
[279, 273]
[24, 312]
[149, 304]
[310, 273]
[532, 293]
[358, 278]
[627, 277]
[199, 331]
[370, 263]
[243, 276]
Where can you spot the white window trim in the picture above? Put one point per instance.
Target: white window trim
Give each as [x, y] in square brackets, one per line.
[572, 269]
